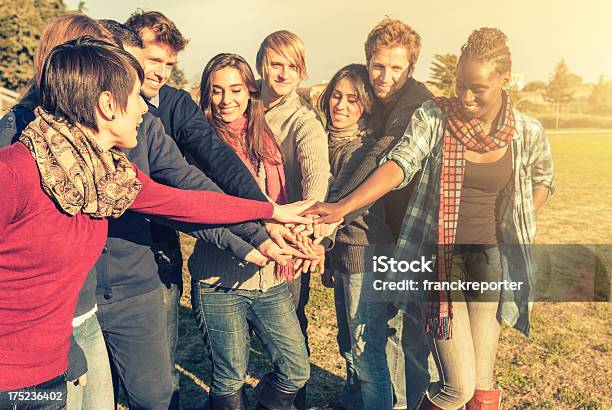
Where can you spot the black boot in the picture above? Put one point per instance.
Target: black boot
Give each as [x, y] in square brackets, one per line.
[234, 401]
[270, 398]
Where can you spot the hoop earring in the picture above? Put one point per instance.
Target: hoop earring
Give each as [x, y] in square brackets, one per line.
[113, 117]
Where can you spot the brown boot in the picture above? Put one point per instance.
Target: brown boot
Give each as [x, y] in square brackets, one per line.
[426, 404]
[484, 400]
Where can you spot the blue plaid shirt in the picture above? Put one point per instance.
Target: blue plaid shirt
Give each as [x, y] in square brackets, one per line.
[421, 149]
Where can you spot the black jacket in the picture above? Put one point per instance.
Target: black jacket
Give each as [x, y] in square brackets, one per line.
[127, 266]
[392, 121]
[184, 122]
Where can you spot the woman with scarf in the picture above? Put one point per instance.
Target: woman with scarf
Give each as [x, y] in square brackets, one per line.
[485, 170]
[89, 372]
[347, 102]
[60, 183]
[228, 295]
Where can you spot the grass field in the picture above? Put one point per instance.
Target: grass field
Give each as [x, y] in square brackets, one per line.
[565, 364]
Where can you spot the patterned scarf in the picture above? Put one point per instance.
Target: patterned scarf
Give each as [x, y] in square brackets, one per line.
[270, 178]
[75, 172]
[459, 136]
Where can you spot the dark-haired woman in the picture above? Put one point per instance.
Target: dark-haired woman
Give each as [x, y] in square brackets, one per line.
[347, 103]
[89, 373]
[60, 183]
[486, 169]
[226, 293]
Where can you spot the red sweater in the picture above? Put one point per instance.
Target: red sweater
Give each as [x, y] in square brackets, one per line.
[45, 255]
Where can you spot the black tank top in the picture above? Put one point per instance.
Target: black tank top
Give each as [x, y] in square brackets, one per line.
[482, 184]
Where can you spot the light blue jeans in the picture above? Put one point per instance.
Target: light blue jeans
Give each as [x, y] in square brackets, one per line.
[466, 361]
[347, 289]
[98, 393]
[386, 353]
[223, 316]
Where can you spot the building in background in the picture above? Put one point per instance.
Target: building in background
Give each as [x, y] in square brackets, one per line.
[517, 81]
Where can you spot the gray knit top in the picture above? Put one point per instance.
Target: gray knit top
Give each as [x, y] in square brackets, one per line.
[347, 154]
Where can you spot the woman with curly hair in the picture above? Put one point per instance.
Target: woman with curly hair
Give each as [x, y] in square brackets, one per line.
[486, 169]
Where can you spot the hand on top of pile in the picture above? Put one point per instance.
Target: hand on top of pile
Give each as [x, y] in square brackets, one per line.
[299, 239]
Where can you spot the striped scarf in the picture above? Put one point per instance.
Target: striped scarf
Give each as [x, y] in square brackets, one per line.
[459, 136]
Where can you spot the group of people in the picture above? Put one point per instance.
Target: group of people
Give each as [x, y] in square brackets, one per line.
[104, 162]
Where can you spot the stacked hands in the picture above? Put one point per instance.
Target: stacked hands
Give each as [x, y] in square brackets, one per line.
[296, 232]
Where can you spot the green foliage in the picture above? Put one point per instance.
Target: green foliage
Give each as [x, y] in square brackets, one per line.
[444, 72]
[21, 24]
[562, 84]
[177, 79]
[561, 87]
[535, 86]
[600, 100]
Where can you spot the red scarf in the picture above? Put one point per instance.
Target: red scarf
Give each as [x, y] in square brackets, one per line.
[459, 136]
[274, 178]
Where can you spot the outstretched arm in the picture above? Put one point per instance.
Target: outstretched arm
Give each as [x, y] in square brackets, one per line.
[406, 157]
[209, 207]
[386, 177]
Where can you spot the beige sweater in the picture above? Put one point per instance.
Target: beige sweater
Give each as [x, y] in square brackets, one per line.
[303, 143]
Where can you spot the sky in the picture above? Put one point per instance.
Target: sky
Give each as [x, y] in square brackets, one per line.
[540, 32]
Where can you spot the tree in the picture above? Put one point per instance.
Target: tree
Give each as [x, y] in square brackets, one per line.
[535, 86]
[21, 24]
[177, 79]
[561, 87]
[600, 100]
[444, 72]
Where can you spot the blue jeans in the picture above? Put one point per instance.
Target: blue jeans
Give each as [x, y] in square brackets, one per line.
[347, 290]
[98, 393]
[49, 395]
[135, 333]
[390, 351]
[170, 268]
[300, 294]
[222, 316]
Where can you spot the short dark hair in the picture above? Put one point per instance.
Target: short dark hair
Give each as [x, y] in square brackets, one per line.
[122, 34]
[164, 30]
[357, 74]
[77, 72]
